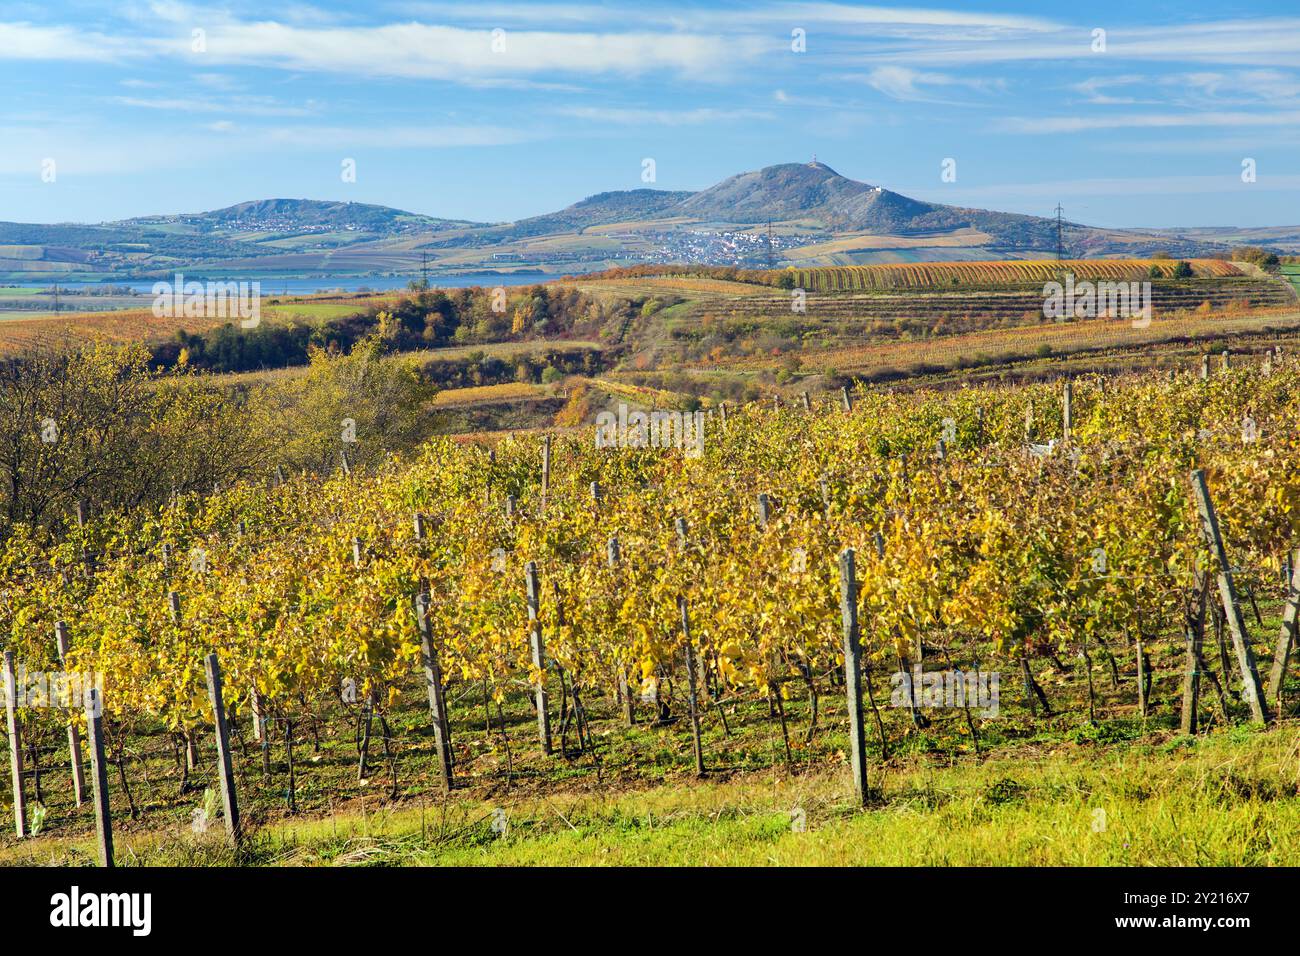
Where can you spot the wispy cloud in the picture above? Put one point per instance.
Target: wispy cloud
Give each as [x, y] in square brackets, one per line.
[1078, 124]
[1094, 89]
[642, 117]
[423, 51]
[251, 106]
[393, 137]
[903, 83]
[1173, 185]
[410, 50]
[1261, 42]
[26, 41]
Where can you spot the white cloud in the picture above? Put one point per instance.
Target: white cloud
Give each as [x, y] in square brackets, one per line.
[1078, 124]
[391, 137]
[23, 41]
[659, 117]
[843, 16]
[904, 83]
[1093, 88]
[1261, 42]
[420, 51]
[251, 106]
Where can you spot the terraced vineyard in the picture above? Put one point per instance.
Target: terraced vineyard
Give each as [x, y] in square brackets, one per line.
[893, 358]
[938, 275]
[991, 307]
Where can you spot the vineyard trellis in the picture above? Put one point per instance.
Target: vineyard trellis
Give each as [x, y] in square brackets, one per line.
[940, 275]
[867, 529]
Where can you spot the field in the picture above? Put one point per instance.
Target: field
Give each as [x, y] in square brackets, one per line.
[932, 275]
[550, 691]
[714, 337]
[1003, 346]
[17, 334]
[490, 394]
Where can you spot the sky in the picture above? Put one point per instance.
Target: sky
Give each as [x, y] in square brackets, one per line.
[1127, 114]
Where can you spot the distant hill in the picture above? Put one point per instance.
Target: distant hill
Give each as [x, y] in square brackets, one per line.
[632, 205]
[818, 218]
[805, 191]
[814, 191]
[287, 215]
[816, 195]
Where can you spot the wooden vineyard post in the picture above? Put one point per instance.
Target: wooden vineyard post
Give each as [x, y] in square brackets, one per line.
[846, 398]
[174, 610]
[539, 654]
[613, 557]
[595, 492]
[229, 799]
[1193, 633]
[99, 775]
[15, 746]
[74, 738]
[356, 553]
[1067, 412]
[722, 410]
[853, 671]
[807, 405]
[433, 680]
[764, 511]
[1253, 693]
[343, 462]
[510, 506]
[1227, 359]
[259, 722]
[691, 697]
[546, 468]
[680, 525]
[1205, 367]
[1141, 675]
[1286, 637]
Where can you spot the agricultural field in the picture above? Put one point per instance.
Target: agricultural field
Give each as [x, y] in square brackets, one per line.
[932, 275]
[1008, 345]
[715, 337]
[1292, 274]
[140, 325]
[491, 394]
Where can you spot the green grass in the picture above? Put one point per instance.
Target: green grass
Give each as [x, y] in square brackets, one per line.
[311, 310]
[1226, 800]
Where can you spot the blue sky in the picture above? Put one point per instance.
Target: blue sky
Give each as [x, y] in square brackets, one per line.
[142, 114]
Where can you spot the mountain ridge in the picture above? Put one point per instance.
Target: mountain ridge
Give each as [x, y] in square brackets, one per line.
[811, 207]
